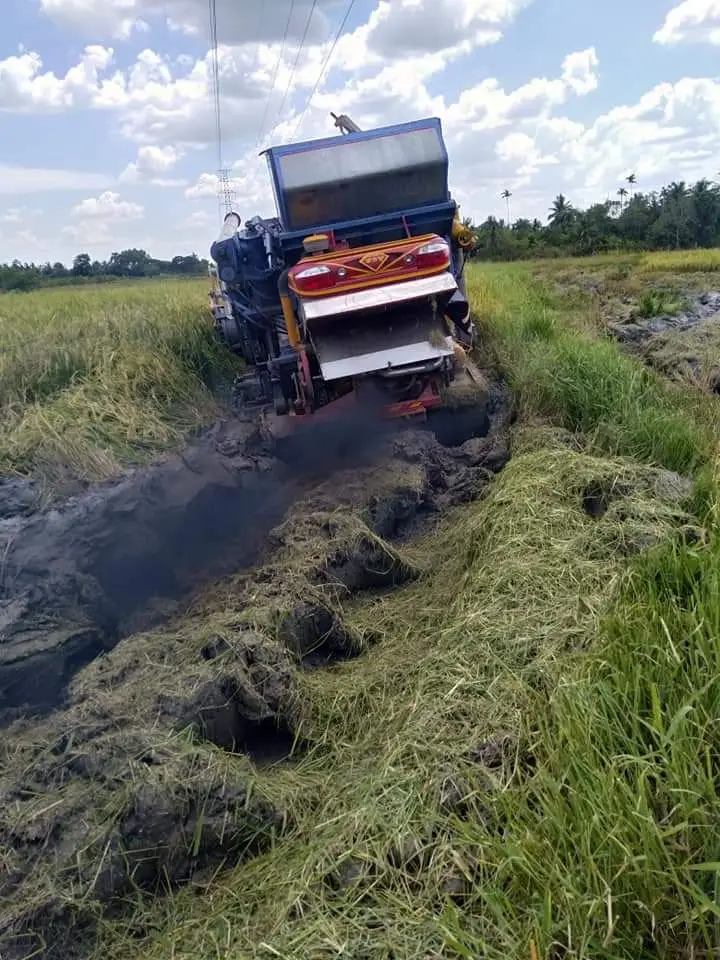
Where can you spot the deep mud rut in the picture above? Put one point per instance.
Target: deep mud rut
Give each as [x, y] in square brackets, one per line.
[101, 793]
[124, 556]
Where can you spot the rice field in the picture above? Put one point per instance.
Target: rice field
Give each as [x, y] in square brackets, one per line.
[93, 379]
[524, 761]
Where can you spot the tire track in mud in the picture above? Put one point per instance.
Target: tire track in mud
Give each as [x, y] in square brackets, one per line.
[114, 744]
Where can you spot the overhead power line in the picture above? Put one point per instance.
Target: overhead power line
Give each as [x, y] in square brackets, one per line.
[215, 78]
[275, 73]
[224, 189]
[323, 68]
[292, 73]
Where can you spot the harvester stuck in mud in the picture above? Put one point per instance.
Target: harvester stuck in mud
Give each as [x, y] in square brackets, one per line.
[355, 292]
[350, 312]
[351, 315]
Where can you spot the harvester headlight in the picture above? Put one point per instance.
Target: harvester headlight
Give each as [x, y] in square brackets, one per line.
[342, 273]
[436, 253]
[310, 279]
[312, 272]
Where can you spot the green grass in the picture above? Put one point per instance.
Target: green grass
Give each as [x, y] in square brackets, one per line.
[525, 763]
[560, 370]
[94, 379]
[654, 303]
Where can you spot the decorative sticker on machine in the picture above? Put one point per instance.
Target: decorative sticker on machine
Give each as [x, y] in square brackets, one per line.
[338, 271]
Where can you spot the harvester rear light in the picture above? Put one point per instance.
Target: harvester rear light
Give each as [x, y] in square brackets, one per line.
[433, 254]
[317, 277]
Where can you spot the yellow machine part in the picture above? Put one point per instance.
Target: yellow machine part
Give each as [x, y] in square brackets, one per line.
[462, 235]
[290, 322]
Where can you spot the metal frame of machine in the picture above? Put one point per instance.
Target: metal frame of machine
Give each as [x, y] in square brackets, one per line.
[369, 306]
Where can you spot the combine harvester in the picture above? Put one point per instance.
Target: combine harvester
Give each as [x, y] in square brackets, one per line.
[355, 291]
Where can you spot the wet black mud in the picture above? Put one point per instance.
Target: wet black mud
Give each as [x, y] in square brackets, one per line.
[684, 346]
[123, 556]
[701, 308]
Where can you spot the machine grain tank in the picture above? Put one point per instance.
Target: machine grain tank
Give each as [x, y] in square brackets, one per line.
[355, 289]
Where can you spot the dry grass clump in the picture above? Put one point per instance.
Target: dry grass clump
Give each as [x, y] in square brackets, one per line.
[690, 357]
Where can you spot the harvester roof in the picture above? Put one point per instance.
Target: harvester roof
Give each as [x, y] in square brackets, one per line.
[371, 173]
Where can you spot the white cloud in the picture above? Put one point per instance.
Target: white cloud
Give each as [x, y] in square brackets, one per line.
[16, 216]
[163, 101]
[108, 207]
[580, 71]
[150, 165]
[670, 132]
[692, 21]
[102, 220]
[31, 180]
[239, 21]
[415, 27]
[111, 18]
[24, 88]
[199, 220]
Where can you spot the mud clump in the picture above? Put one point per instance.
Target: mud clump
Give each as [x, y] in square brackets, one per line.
[180, 813]
[18, 498]
[317, 634]
[141, 783]
[244, 706]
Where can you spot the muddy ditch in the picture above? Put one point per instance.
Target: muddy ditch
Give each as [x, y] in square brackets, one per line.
[683, 343]
[123, 556]
[142, 777]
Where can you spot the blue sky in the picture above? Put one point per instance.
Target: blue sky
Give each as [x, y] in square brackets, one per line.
[107, 129]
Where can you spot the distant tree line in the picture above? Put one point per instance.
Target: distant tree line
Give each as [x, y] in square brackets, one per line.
[126, 264]
[680, 216]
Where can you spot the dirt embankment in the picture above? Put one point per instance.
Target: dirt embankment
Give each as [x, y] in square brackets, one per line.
[141, 781]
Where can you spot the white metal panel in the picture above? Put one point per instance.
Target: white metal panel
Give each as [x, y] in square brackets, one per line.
[379, 360]
[351, 349]
[377, 296]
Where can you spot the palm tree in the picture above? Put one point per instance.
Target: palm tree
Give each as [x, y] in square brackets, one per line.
[622, 193]
[560, 211]
[631, 180]
[506, 197]
[674, 199]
